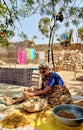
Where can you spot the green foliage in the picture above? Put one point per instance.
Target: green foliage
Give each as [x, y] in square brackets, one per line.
[28, 1]
[72, 11]
[5, 35]
[3, 42]
[80, 33]
[80, 14]
[11, 11]
[23, 36]
[3, 10]
[44, 25]
[62, 9]
[8, 15]
[34, 37]
[67, 24]
[9, 34]
[67, 1]
[75, 22]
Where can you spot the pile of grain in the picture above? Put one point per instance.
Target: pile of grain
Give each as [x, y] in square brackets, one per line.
[67, 115]
[14, 120]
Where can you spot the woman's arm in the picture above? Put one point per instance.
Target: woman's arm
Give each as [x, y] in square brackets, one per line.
[40, 92]
[44, 91]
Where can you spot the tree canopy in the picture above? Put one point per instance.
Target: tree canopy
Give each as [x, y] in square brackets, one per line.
[12, 10]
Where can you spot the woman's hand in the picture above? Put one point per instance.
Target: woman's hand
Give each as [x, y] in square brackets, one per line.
[31, 89]
[28, 94]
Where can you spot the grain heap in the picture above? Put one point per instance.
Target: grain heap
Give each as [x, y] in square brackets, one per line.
[67, 115]
[14, 120]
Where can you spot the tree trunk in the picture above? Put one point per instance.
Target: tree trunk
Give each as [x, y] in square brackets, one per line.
[52, 32]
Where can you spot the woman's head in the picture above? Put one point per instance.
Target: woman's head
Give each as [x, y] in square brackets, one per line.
[44, 66]
[44, 69]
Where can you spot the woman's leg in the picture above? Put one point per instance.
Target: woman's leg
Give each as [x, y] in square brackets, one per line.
[59, 95]
[10, 101]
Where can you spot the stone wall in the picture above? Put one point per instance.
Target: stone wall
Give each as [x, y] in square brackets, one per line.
[67, 60]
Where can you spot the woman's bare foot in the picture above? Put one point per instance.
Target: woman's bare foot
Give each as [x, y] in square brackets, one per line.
[8, 100]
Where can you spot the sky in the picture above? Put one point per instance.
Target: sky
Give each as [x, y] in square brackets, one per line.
[30, 27]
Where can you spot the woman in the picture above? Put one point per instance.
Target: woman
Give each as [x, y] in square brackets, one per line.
[52, 89]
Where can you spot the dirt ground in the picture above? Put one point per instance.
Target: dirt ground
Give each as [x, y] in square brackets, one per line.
[75, 86]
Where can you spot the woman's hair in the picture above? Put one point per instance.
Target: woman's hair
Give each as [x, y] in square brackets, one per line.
[44, 65]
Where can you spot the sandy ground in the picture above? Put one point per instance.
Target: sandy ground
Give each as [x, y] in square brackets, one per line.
[75, 87]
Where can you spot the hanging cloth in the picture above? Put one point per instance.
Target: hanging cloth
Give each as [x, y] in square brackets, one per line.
[21, 56]
[30, 53]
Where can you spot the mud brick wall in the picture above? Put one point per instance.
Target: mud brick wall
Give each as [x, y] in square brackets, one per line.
[66, 57]
[16, 76]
